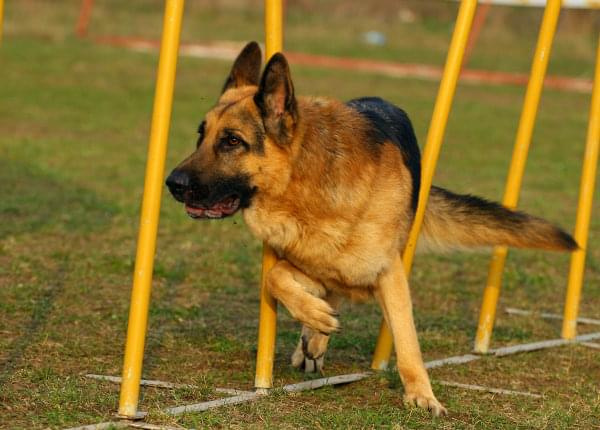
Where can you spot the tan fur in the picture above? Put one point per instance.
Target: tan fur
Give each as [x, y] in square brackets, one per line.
[458, 221]
[342, 220]
[336, 207]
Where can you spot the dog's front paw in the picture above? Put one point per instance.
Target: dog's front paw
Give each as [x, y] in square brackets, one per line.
[425, 401]
[317, 314]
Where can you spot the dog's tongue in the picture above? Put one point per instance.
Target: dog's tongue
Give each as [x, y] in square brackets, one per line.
[218, 210]
[195, 212]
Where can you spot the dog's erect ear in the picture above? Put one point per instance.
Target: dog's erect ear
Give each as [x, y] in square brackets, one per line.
[246, 68]
[275, 99]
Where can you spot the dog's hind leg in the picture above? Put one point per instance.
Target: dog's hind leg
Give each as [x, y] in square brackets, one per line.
[302, 296]
[393, 295]
[312, 345]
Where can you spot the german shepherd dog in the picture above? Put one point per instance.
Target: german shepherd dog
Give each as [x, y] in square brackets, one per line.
[333, 187]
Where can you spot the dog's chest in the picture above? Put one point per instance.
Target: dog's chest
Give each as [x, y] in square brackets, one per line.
[335, 252]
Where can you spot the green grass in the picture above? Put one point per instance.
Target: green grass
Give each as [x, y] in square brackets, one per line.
[74, 120]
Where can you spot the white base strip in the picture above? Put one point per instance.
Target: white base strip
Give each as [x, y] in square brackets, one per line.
[146, 426]
[488, 389]
[102, 426]
[122, 425]
[591, 345]
[232, 391]
[534, 346]
[549, 316]
[321, 382]
[458, 359]
[508, 350]
[143, 382]
[163, 384]
[248, 397]
[204, 406]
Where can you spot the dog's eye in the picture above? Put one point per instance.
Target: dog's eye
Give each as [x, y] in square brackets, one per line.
[233, 140]
[230, 142]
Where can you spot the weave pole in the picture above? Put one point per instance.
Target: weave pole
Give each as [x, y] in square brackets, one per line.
[437, 127]
[267, 324]
[584, 210]
[153, 184]
[1, 19]
[517, 168]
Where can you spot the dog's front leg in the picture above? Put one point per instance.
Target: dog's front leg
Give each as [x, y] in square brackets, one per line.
[393, 295]
[302, 296]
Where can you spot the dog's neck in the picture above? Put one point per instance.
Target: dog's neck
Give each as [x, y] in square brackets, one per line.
[315, 182]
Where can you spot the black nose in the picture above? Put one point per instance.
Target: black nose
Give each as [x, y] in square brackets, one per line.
[178, 183]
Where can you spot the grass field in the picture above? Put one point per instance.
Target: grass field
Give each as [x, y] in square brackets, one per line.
[74, 120]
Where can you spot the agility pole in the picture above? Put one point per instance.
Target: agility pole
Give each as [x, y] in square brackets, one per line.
[517, 167]
[1, 19]
[267, 324]
[153, 184]
[439, 119]
[584, 210]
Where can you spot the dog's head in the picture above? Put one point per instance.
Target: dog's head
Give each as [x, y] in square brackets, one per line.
[243, 143]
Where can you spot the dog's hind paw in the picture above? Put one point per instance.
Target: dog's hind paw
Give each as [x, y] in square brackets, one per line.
[310, 351]
[309, 365]
[298, 357]
[425, 402]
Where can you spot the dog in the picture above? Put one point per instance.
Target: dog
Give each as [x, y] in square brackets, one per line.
[333, 188]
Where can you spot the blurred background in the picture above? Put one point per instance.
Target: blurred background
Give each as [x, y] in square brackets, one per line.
[412, 30]
[75, 107]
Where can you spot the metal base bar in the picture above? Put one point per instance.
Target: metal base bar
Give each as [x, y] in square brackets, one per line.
[488, 389]
[549, 316]
[248, 396]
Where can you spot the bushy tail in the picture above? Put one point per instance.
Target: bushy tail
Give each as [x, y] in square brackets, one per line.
[455, 220]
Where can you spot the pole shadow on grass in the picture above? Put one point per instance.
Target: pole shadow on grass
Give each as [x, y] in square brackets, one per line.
[39, 202]
[34, 200]
[42, 308]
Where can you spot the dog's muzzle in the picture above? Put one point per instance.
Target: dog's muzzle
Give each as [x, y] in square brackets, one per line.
[222, 198]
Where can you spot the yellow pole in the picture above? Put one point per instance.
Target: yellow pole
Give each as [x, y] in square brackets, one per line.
[1, 19]
[144, 261]
[437, 127]
[267, 324]
[273, 27]
[517, 168]
[584, 211]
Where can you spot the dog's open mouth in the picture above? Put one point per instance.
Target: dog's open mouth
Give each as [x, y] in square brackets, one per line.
[221, 209]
